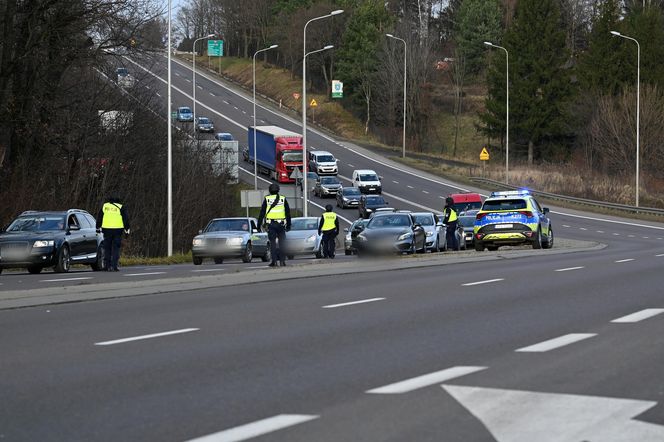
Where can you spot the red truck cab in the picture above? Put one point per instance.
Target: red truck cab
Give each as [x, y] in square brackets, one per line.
[289, 156]
[466, 201]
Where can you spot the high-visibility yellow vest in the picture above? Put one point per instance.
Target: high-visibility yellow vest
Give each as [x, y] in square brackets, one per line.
[279, 209]
[453, 216]
[112, 216]
[328, 221]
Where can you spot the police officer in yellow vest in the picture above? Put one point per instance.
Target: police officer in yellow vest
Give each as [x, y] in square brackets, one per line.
[112, 220]
[450, 221]
[329, 227]
[276, 212]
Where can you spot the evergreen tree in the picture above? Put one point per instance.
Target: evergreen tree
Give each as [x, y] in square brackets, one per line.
[477, 21]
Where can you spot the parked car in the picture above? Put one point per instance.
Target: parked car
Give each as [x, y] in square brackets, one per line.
[369, 203]
[327, 186]
[225, 136]
[303, 237]
[389, 232]
[367, 181]
[230, 238]
[323, 162]
[434, 228]
[348, 197]
[348, 240]
[467, 221]
[204, 124]
[460, 235]
[184, 114]
[35, 240]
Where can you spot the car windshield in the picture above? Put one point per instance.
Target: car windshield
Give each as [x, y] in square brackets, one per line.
[37, 223]
[504, 204]
[352, 191]
[185, 110]
[329, 180]
[292, 155]
[467, 221]
[373, 200]
[325, 159]
[122, 72]
[203, 120]
[461, 207]
[424, 220]
[368, 177]
[389, 221]
[305, 224]
[228, 225]
[224, 137]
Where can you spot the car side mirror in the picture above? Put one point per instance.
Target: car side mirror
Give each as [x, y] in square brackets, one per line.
[200, 231]
[546, 210]
[254, 230]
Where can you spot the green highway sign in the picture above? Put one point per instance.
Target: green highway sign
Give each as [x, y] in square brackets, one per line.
[337, 89]
[215, 48]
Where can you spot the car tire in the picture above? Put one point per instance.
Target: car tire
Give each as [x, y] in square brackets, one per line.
[537, 242]
[99, 262]
[318, 254]
[492, 248]
[248, 254]
[218, 260]
[268, 254]
[1, 270]
[479, 247]
[436, 247]
[347, 252]
[549, 241]
[197, 260]
[412, 248]
[63, 260]
[34, 270]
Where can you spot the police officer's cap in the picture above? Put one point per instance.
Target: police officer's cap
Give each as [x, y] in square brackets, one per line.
[328, 207]
[449, 200]
[274, 188]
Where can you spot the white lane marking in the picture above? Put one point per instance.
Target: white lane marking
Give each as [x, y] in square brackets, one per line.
[177, 74]
[625, 260]
[395, 182]
[645, 237]
[661, 254]
[630, 236]
[258, 428]
[659, 238]
[468, 284]
[199, 87]
[424, 191]
[212, 94]
[350, 165]
[639, 316]
[187, 80]
[582, 228]
[362, 301]
[410, 187]
[236, 108]
[617, 234]
[158, 94]
[426, 380]
[565, 225]
[144, 274]
[147, 86]
[150, 336]
[256, 267]
[600, 231]
[558, 342]
[569, 268]
[207, 270]
[66, 279]
[608, 221]
[441, 197]
[225, 102]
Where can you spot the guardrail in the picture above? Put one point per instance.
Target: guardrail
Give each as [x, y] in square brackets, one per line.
[572, 199]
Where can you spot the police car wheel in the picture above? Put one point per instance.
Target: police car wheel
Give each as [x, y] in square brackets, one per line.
[479, 247]
[549, 242]
[537, 242]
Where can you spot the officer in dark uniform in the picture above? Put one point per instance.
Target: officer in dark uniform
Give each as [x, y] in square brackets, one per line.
[112, 220]
[329, 227]
[450, 221]
[276, 213]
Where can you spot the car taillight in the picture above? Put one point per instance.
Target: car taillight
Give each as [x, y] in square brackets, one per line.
[479, 216]
[479, 235]
[526, 213]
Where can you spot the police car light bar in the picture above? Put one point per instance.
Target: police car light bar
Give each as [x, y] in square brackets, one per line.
[521, 192]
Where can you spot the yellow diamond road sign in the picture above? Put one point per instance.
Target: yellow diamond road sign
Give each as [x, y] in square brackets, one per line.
[484, 155]
[313, 103]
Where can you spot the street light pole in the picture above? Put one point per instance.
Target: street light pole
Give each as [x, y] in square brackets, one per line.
[254, 77]
[169, 216]
[304, 106]
[403, 153]
[638, 104]
[507, 110]
[194, 71]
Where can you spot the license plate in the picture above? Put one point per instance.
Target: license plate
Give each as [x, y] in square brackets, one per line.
[12, 254]
[504, 226]
[469, 236]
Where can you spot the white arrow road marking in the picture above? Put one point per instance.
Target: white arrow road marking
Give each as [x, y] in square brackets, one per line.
[426, 380]
[258, 428]
[640, 316]
[154, 335]
[524, 416]
[362, 301]
[558, 342]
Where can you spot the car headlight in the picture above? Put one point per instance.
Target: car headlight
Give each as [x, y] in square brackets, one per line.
[197, 242]
[234, 241]
[50, 243]
[312, 238]
[345, 199]
[404, 236]
[429, 234]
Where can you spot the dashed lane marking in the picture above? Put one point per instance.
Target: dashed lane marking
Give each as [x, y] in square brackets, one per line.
[426, 380]
[258, 428]
[565, 225]
[208, 270]
[67, 279]
[555, 343]
[424, 191]
[145, 274]
[488, 281]
[600, 231]
[582, 228]
[410, 187]
[150, 336]
[395, 182]
[569, 268]
[361, 301]
[199, 87]
[661, 254]
[625, 260]
[639, 316]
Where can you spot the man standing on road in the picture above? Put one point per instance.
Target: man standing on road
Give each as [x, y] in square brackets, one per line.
[329, 226]
[276, 212]
[112, 220]
[450, 221]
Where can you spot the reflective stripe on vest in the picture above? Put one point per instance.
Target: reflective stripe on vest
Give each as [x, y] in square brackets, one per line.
[328, 221]
[278, 211]
[112, 216]
[453, 216]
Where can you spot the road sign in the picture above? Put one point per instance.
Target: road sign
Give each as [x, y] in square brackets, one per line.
[337, 89]
[313, 103]
[296, 95]
[215, 48]
[296, 175]
[484, 155]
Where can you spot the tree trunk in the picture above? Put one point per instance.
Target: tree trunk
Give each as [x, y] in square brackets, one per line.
[531, 146]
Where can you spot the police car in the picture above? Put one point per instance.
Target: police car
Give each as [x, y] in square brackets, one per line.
[512, 218]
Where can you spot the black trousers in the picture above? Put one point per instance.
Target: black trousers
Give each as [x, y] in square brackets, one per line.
[450, 234]
[112, 245]
[276, 233]
[328, 243]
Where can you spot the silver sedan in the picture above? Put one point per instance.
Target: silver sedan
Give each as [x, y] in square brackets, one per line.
[303, 238]
[230, 238]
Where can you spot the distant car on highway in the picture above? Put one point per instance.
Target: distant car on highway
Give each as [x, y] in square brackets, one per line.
[389, 232]
[327, 186]
[467, 221]
[230, 238]
[348, 239]
[367, 181]
[225, 136]
[204, 124]
[323, 162]
[124, 79]
[348, 197]
[184, 114]
[35, 240]
[303, 237]
[369, 203]
[434, 228]
[312, 177]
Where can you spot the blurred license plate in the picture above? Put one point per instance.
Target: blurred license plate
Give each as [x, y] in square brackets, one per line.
[504, 226]
[12, 254]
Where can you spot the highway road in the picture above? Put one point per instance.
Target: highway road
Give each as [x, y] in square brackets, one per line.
[559, 345]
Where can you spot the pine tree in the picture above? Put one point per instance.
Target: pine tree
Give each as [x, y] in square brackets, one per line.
[477, 21]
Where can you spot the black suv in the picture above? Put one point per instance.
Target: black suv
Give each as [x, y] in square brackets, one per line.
[369, 203]
[36, 240]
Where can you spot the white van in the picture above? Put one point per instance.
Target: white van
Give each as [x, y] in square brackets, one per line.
[323, 163]
[367, 181]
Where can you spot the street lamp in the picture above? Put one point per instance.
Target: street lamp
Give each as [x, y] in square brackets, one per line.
[169, 216]
[194, 70]
[403, 153]
[304, 104]
[254, 70]
[507, 109]
[638, 107]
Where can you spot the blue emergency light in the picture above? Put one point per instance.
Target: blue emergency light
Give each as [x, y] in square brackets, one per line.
[507, 193]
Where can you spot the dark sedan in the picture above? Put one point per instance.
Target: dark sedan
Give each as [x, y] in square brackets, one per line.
[348, 197]
[36, 240]
[369, 203]
[467, 221]
[204, 124]
[389, 232]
